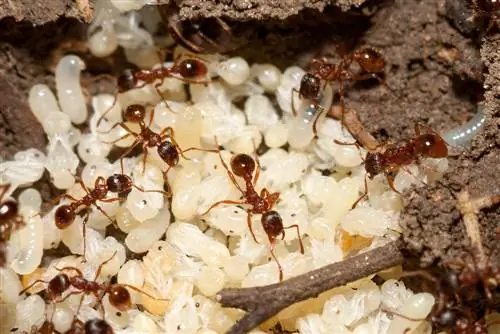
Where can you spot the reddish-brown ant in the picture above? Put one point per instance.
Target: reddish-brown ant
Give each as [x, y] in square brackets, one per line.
[322, 72]
[166, 146]
[117, 183]
[118, 294]
[390, 158]
[92, 326]
[191, 70]
[10, 220]
[243, 165]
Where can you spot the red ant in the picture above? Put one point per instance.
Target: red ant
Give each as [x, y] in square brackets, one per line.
[92, 326]
[118, 294]
[322, 72]
[117, 183]
[243, 165]
[10, 220]
[166, 146]
[391, 158]
[190, 70]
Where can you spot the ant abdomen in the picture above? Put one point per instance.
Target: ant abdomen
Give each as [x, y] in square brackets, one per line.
[168, 152]
[431, 146]
[242, 165]
[272, 223]
[58, 285]
[118, 183]
[192, 69]
[8, 209]
[119, 297]
[98, 326]
[126, 81]
[445, 319]
[370, 59]
[135, 113]
[64, 216]
[310, 86]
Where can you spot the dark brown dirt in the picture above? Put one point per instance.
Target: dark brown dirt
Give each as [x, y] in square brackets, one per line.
[260, 10]
[40, 12]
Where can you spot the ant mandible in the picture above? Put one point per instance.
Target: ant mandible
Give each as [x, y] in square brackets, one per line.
[10, 220]
[243, 165]
[165, 143]
[322, 72]
[390, 158]
[118, 294]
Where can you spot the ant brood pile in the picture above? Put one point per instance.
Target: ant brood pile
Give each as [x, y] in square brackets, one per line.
[201, 207]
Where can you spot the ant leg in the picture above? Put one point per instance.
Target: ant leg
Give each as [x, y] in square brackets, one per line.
[78, 271]
[390, 180]
[3, 190]
[196, 149]
[342, 105]
[84, 227]
[99, 269]
[191, 81]
[229, 173]
[258, 169]
[99, 120]
[222, 202]
[271, 249]
[414, 176]
[60, 197]
[316, 119]
[167, 132]
[271, 199]
[294, 111]
[361, 77]
[156, 86]
[107, 200]
[151, 191]
[249, 223]
[298, 235]
[32, 285]
[114, 199]
[338, 142]
[144, 292]
[144, 160]
[72, 293]
[365, 193]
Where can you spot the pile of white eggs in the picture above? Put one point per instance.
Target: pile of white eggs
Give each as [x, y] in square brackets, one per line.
[190, 255]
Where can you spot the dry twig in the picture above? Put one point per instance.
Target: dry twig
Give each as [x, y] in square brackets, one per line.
[355, 127]
[261, 303]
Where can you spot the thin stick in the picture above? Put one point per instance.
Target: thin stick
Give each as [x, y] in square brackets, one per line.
[351, 121]
[266, 301]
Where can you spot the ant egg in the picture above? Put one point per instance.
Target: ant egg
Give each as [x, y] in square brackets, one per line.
[290, 79]
[144, 324]
[72, 236]
[30, 312]
[188, 176]
[155, 307]
[141, 238]
[10, 286]
[312, 324]
[125, 220]
[103, 43]
[268, 75]
[394, 294]
[107, 103]
[62, 318]
[56, 123]
[63, 180]
[28, 279]
[417, 306]
[185, 203]
[369, 222]
[42, 101]
[69, 91]
[260, 112]
[74, 136]
[131, 273]
[247, 141]
[91, 149]
[210, 280]
[234, 71]
[236, 268]
[276, 135]
[30, 198]
[138, 203]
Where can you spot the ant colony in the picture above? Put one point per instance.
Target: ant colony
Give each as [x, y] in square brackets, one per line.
[197, 174]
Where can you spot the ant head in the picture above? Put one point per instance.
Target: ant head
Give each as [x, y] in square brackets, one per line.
[135, 113]
[98, 326]
[310, 86]
[8, 209]
[58, 285]
[242, 165]
[370, 59]
[431, 145]
[118, 183]
[64, 216]
[126, 81]
[445, 319]
[168, 153]
[374, 164]
[192, 68]
[119, 297]
[272, 223]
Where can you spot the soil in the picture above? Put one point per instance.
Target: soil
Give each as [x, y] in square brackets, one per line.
[437, 70]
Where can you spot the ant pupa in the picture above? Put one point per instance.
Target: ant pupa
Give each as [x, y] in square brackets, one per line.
[10, 220]
[322, 72]
[119, 296]
[390, 158]
[165, 143]
[244, 166]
